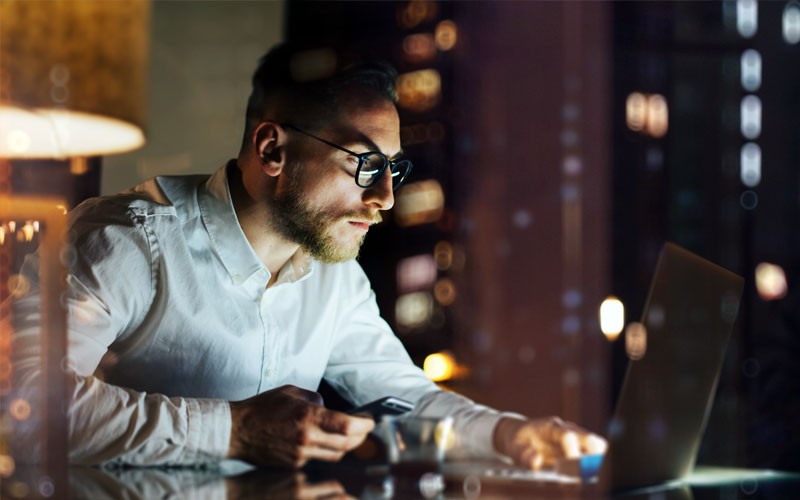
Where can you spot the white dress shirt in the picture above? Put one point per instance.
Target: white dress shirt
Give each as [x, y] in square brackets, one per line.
[170, 318]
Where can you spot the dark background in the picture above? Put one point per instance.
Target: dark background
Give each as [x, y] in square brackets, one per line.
[555, 203]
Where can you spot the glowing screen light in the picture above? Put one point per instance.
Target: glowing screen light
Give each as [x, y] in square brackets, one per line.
[439, 366]
[636, 341]
[612, 317]
[771, 281]
[750, 164]
[751, 70]
[791, 23]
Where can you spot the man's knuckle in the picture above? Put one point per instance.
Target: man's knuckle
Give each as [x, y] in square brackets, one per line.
[302, 413]
[303, 436]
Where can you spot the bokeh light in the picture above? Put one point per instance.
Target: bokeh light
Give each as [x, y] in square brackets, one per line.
[750, 114]
[419, 90]
[791, 23]
[771, 281]
[419, 48]
[446, 35]
[416, 273]
[612, 317]
[20, 409]
[445, 291]
[419, 203]
[439, 366]
[746, 17]
[7, 465]
[647, 113]
[414, 310]
[636, 341]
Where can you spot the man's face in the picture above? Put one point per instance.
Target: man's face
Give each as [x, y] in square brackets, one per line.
[318, 204]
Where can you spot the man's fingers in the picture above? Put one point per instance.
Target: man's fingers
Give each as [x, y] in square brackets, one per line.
[571, 444]
[543, 443]
[342, 423]
[530, 457]
[335, 431]
[592, 444]
[314, 436]
[318, 453]
[339, 442]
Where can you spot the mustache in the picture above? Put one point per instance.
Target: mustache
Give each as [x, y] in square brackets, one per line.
[372, 218]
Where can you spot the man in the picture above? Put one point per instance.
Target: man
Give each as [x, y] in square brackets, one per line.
[214, 306]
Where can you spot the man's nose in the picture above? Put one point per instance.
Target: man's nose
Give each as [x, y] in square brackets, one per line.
[381, 194]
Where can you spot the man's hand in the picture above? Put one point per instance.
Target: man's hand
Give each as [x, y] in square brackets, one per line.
[288, 426]
[542, 443]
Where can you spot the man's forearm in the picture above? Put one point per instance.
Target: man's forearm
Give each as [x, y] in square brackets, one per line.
[110, 424]
[474, 424]
[107, 424]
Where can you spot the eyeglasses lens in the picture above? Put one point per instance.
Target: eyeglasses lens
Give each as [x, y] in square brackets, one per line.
[373, 166]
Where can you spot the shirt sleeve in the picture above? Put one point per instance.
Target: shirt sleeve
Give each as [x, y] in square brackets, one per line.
[473, 423]
[107, 423]
[368, 362]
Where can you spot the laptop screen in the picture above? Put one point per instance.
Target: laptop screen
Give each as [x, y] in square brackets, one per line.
[676, 356]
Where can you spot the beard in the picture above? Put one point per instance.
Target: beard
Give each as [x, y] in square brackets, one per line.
[312, 228]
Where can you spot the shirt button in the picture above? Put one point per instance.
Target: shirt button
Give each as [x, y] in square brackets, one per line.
[237, 279]
[268, 372]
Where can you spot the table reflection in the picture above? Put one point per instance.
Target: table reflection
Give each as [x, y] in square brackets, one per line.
[209, 483]
[356, 480]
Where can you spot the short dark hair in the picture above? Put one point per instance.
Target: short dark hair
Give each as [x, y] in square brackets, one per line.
[304, 85]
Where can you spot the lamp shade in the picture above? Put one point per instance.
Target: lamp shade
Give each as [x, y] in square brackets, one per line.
[72, 77]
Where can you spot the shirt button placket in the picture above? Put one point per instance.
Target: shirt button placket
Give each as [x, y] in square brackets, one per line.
[268, 357]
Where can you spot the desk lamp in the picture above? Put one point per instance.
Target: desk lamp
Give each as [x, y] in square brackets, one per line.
[72, 86]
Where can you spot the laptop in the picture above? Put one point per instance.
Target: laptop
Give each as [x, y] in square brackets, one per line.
[669, 386]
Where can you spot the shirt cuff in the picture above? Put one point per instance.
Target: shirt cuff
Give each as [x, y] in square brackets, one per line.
[209, 430]
[473, 423]
[481, 431]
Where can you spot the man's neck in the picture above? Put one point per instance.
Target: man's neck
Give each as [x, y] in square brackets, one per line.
[254, 218]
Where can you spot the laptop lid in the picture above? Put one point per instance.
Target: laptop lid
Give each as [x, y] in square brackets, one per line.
[677, 352]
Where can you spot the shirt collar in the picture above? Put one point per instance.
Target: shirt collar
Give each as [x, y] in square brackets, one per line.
[230, 242]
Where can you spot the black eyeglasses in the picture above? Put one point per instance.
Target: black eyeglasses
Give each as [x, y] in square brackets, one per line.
[371, 165]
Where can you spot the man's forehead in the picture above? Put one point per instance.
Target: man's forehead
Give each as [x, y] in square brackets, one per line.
[373, 124]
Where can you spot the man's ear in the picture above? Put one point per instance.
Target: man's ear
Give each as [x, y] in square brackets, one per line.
[269, 140]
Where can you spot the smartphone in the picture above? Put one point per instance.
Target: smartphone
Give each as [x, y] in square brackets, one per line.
[385, 406]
